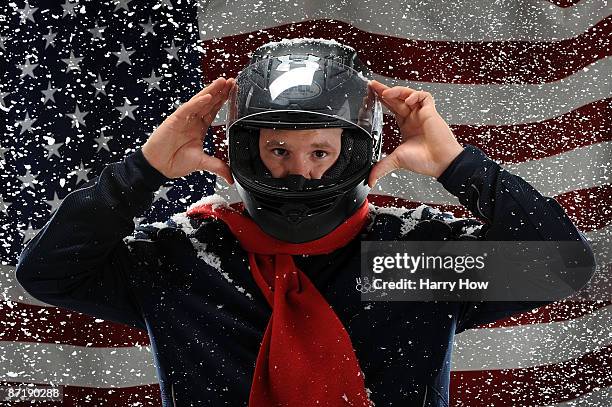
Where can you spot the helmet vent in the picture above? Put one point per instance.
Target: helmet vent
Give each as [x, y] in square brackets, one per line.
[314, 208]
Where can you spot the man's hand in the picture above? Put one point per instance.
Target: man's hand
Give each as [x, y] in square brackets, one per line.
[176, 147]
[428, 144]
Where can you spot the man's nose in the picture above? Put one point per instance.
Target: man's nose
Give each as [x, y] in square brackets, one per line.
[299, 167]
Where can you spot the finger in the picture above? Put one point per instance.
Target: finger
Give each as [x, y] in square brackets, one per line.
[420, 100]
[216, 166]
[377, 86]
[213, 92]
[209, 115]
[222, 93]
[399, 92]
[195, 106]
[382, 168]
[207, 105]
[214, 87]
[397, 107]
[399, 112]
[416, 97]
[234, 86]
[230, 84]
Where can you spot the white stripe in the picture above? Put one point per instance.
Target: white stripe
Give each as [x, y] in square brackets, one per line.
[600, 397]
[511, 104]
[600, 286]
[532, 345]
[77, 365]
[580, 168]
[12, 290]
[508, 104]
[431, 20]
[601, 242]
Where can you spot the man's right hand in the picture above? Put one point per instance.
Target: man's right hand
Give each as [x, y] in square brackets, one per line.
[176, 147]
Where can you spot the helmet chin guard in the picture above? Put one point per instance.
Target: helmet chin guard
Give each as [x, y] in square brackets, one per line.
[303, 84]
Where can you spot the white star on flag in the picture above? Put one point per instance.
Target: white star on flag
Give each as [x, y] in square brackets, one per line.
[126, 110]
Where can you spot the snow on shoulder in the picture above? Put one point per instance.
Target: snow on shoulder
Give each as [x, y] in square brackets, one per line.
[411, 217]
[189, 226]
[304, 40]
[215, 200]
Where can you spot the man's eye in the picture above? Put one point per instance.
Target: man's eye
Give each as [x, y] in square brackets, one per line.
[279, 151]
[320, 154]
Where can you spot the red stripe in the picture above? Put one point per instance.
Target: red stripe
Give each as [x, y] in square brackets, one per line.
[582, 127]
[470, 62]
[31, 323]
[541, 385]
[564, 3]
[589, 209]
[76, 396]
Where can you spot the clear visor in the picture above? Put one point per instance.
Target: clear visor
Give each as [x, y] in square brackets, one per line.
[302, 91]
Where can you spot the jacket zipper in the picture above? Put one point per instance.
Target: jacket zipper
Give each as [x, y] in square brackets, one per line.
[172, 393]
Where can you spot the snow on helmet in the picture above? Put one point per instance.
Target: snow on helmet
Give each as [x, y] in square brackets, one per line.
[303, 83]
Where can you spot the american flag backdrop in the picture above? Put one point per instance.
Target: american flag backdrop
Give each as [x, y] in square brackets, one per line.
[527, 81]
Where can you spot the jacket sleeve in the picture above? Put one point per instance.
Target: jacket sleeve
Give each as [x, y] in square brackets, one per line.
[79, 259]
[510, 210]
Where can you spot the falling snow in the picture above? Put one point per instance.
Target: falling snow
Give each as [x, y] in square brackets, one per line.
[85, 83]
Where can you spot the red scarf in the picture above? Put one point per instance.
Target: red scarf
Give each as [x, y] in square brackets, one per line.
[306, 357]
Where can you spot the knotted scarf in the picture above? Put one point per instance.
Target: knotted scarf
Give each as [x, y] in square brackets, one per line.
[306, 357]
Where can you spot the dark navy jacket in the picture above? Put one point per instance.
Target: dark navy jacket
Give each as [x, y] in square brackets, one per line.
[187, 283]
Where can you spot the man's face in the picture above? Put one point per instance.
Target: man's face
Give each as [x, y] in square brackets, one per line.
[308, 152]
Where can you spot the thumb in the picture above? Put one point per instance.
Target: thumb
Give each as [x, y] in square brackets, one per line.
[215, 166]
[382, 168]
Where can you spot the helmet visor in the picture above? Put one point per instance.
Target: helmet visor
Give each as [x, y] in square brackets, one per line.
[303, 91]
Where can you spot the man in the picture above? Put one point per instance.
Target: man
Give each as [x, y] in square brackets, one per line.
[256, 303]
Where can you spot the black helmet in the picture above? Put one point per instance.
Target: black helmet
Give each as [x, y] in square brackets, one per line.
[303, 84]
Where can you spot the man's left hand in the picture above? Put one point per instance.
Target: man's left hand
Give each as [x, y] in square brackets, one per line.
[428, 144]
